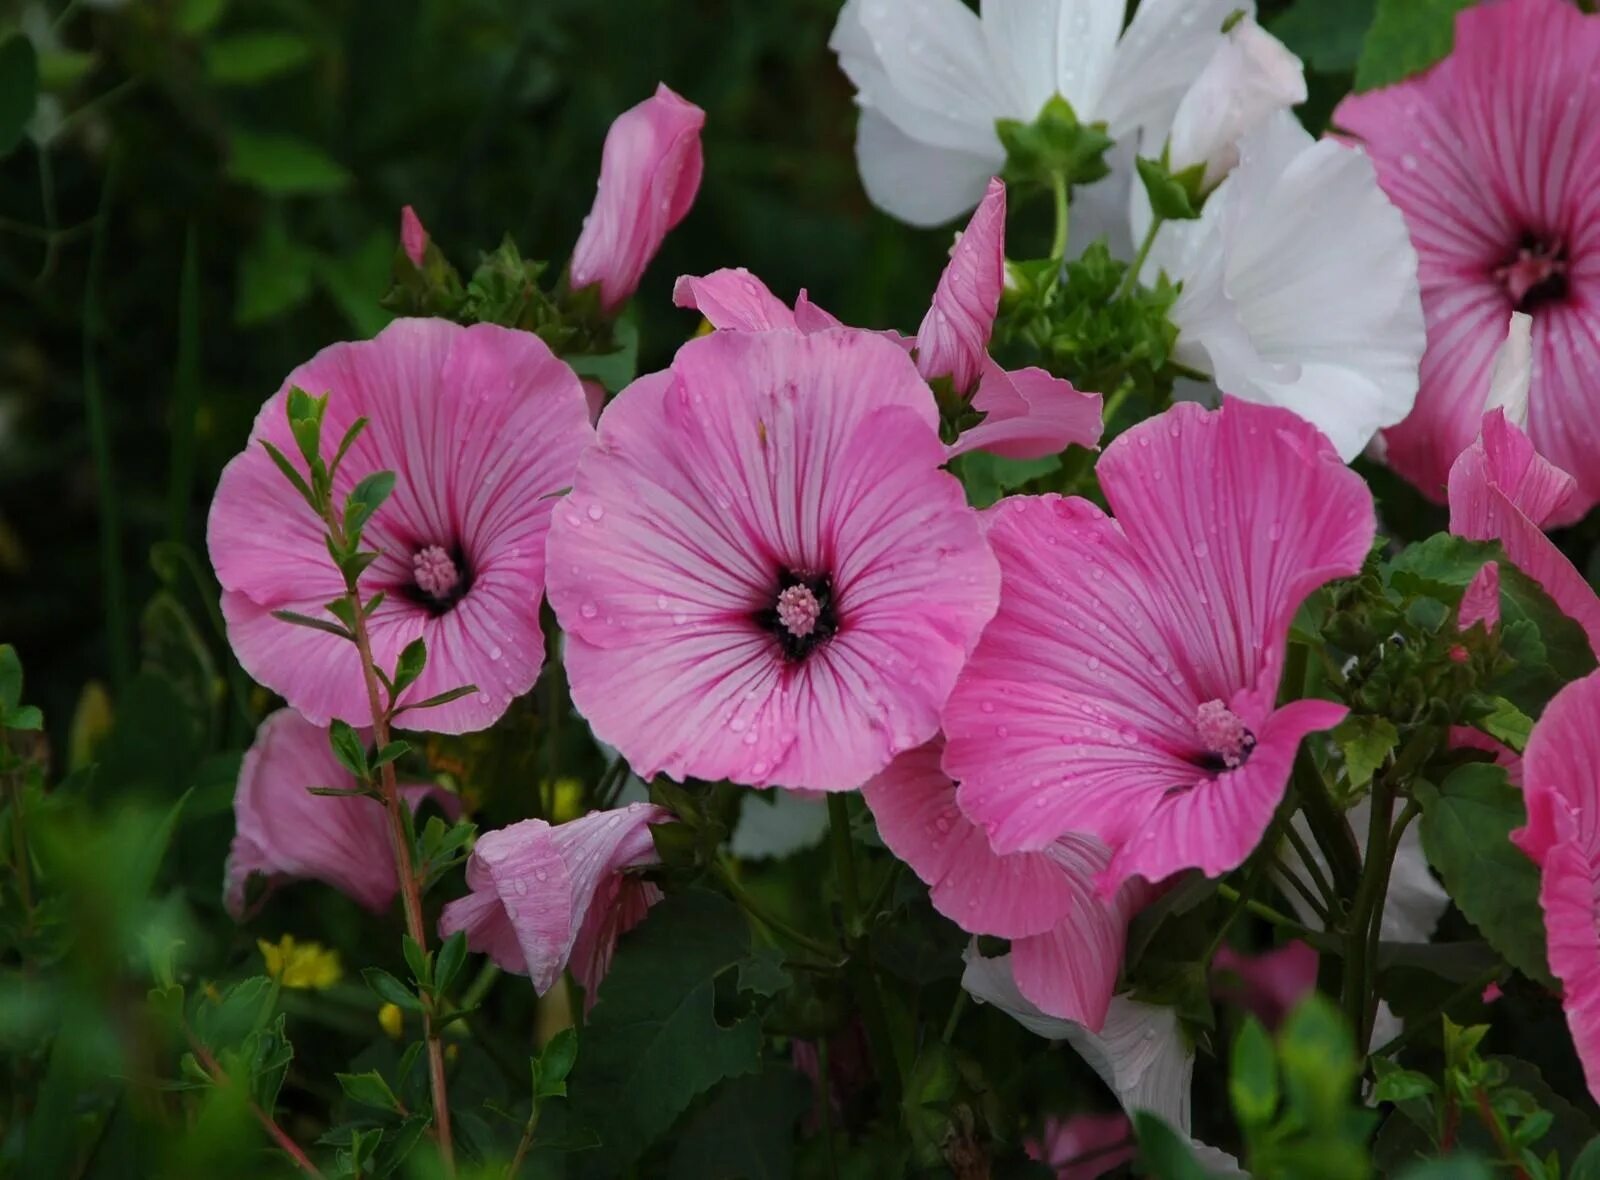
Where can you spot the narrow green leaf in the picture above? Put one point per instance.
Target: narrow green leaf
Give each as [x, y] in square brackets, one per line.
[443, 698]
[299, 620]
[452, 957]
[365, 499]
[289, 473]
[10, 679]
[410, 665]
[390, 753]
[369, 1089]
[349, 749]
[390, 990]
[418, 960]
[282, 165]
[345, 443]
[248, 58]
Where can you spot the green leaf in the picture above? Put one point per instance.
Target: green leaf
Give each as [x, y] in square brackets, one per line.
[196, 16]
[443, 698]
[1366, 743]
[452, 957]
[1587, 1165]
[365, 499]
[60, 68]
[297, 480]
[1466, 824]
[1164, 1154]
[1253, 1077]
[19, 89]
[1399, 1085]
[369, 1089]
[275, 276]
[746, 1131]
[282, 165]
[654, 1042]
[616, 368]
[988, 477]
[1327, 36]
[394, 750]
[1508, 724]
[390, 989]
[1455, 1167]
[1172, 198]
[1317, 1054]
[554, 1063]
[349, 749]
[409, 666]
[247, 58]
[299, 620]
[10, 679]
[1406, 37]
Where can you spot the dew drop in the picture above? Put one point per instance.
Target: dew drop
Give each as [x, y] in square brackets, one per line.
[588, 610]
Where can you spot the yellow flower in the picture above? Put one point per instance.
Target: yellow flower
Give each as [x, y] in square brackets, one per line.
[566, 800]
[391, 1020]
[302, 965]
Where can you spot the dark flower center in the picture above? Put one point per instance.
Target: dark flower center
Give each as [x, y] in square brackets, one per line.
[802, 616]
[1536, 272]
[1225, 740]
[439, 577]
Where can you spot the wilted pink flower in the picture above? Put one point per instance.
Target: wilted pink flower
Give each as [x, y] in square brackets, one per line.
[649, 174]
[286, 833]
[1494, 158]
[761, 572]
[1502, 489]
[953, 340]
[1562, 788]
[1085, 1146]
[1027, 412]
[1267, 984]
[1126, 688]
[481, 426]
[543, 898]
[1066, 941]
[413, 237]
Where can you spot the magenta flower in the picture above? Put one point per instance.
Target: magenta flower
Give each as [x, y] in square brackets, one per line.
[481, 426]
[1085, 1146]
[413, 236]
[285, 833]
[1494, 158]
[762, 573]
[649, 174]
[1126, 688]
[1066, 941]
[544, 898]
[1502, 489]
[1562, 786]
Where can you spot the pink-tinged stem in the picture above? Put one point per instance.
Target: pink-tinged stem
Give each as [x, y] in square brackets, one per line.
[279, 1136]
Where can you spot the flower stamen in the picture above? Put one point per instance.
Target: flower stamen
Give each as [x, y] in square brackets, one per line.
[1226, 739]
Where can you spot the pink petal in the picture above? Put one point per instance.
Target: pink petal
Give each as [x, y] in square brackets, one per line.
[1494, 486]
[758, 453]
[413, 237]
[1071, 970]
[481, 426]
[649, 174]
[1481, 602]
[1102, 1142]
[733, 298]
[953, 340]
[1271, 982]
[1030, 414]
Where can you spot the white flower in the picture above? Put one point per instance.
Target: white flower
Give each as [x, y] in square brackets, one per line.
[1140, 1053]
[1250, 76]
[1300, 286]
[932, 77]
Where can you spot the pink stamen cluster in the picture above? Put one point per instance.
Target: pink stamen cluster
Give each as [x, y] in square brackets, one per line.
[1222, 733]
[435, 573]
[798, 611]
[1533, 267]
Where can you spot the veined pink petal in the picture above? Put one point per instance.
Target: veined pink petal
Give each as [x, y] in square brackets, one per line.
[542, 896]
[1125, 687]
[764, 466]
[481, 427]
[1267, 984]
[733, 298]
[1030, 414]
[649, 174]
[1500, 489]
[1481, 602]
[1562, 788]
[953, 340]
[1085, 1146]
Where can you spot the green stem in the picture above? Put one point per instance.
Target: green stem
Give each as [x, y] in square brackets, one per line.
[956, 1010]
[761, 914]
[1130, 279]
[825, 1104]
[1058, 244]
[1275, 918]
[844, 861]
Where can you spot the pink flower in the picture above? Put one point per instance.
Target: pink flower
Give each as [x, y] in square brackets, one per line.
[1027, 413]
[1502, 489]
[649, 174]
[413, 237]
[1562, 787]
[761, 572]
[1481, 601]
[544, 898]
[1494, 158]
[1126, 687]
[953, 340]
[481, 427]
[1066, 941]
[1267, 984]
[1085, 1146]
[286, 833]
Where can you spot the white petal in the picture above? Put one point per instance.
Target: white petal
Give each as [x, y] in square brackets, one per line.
[1166, 46]
[915, 182]
[1513, 371]
[1300, 286]
[1050, 47]
[1100, 210]
[790, 822]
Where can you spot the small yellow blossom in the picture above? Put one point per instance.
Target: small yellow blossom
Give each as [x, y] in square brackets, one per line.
[391, 1020]
[566, 800]
[301, 965]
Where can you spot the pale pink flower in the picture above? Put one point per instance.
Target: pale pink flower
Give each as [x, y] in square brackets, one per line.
[1502, 489]
[545, 898]
[1027, 413]
[761, 572]
[953, 340]
[1085, 1146]
[649, 175]
[482, 426]
[1562, 788]
[413, 236]
[1126, 688]
[286, 833]
[1269, 983]
[1494, 158]
[1066, 941]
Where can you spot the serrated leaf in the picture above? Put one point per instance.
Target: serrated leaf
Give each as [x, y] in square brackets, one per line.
[1466, 825]
[1366, 743]
[1406, 37]
[283, 165]
[1399, 1085]
[653, 1042]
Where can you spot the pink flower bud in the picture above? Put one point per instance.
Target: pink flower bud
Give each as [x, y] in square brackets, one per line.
[953, 340]
[649, 174]
[413, 236]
